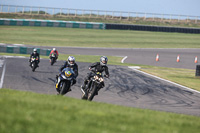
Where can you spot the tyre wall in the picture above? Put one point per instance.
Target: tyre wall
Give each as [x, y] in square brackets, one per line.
[51, 23]
[23, 50]
[152, 28]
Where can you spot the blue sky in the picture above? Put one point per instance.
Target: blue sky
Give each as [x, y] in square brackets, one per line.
[182, 7]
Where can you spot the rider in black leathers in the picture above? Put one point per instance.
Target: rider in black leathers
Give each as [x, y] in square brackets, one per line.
[35, 55]
[96, 67]
[70, 63]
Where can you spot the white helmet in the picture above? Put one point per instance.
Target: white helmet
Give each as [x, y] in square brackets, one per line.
[71, 60]
[34, 50]
[103, 60]
[54, 49]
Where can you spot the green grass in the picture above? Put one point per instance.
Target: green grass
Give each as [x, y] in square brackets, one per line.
[113, 60]
[27, 112]
[185, 77]
[52, 36]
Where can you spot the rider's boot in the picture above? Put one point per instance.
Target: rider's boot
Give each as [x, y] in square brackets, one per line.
[56, 82]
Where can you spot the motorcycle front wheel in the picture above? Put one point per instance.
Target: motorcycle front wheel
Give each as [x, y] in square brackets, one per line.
[52, 61]
[92, 93]
[65, 88]
[33, 66]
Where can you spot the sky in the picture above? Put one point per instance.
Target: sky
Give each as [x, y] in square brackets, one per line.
[178, 7]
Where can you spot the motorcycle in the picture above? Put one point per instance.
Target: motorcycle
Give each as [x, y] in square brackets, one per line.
[94, 85]
[53, 58]
[34, 63]
[65, 80]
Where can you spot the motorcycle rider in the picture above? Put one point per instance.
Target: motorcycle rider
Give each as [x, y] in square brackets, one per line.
[69, 63]
[53, 51]
[35, 55]
[96, 67]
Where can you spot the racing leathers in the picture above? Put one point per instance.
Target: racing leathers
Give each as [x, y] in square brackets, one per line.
[54, 52]
[95, 67]
[73, 67]
[35, 55]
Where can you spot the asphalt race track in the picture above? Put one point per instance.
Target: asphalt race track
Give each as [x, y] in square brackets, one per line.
[125, 86]
[145, 56]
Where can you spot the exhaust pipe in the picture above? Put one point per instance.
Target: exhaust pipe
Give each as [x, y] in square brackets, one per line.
[83, 91]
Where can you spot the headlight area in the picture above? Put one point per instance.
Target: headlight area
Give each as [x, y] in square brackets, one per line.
[63, 76]
[98, 79]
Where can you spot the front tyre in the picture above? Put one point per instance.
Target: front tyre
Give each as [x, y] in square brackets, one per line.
[92, 92]
[52, 61]
[65, 88]
[33, 66]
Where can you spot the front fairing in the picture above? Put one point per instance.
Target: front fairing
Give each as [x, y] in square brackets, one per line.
[67, 74]
[33, 59]
[53, 55]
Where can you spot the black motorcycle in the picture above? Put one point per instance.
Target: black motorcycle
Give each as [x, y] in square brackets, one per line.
[34, 63]
[53, 58]
[65, 80]
[94, 85]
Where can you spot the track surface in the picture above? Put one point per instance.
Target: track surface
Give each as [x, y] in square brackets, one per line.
[143, 56]
[125, 86]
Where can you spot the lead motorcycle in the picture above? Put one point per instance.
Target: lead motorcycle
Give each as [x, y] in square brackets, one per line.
[53, 58]
[34, 63]
[94, 85]
[64, 81]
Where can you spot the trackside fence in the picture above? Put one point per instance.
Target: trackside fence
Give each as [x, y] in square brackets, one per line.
[115, 15]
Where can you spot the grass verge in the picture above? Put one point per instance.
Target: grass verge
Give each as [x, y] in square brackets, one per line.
[54, 36]
[113, 60]
[38, 113]
[185, 77]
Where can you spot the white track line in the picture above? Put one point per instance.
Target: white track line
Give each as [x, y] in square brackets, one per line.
[122, 61]
[7, 56]
[18, 44]
[165, 80]
[2, 76]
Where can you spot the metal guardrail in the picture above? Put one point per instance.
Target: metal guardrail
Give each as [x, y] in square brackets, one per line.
[118, 15]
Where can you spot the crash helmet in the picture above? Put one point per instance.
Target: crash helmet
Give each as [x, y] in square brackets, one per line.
[34, 50]
[103, 60]
[54, 49]
[71, 60]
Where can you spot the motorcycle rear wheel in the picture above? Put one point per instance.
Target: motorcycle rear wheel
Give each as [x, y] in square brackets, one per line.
[84, 97]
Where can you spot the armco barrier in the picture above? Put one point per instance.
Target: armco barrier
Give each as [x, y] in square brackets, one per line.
[23, 50]
[152, 28]
[51, 23]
